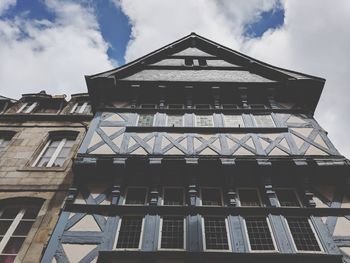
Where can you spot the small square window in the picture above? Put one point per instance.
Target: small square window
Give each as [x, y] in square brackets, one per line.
[173, 196]
[249, 197]
[136, 196]
[175, 120]
[81, 107]
[287, 197]
[233, 121]
[204, 121]
[215, 233]
[172, 232]
[259, 234]
[211, 196]
[264, 121]
[55, 152]
[303, 234]
[129, 234]
[145, 120]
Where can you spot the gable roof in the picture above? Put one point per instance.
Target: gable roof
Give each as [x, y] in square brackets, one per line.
[194, 45]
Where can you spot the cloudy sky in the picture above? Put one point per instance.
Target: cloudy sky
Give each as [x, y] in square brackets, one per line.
[52, 44]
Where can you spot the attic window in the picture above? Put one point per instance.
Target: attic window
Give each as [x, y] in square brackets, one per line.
[27, 107]
[148, 106]
[189, 62]
[202, 62]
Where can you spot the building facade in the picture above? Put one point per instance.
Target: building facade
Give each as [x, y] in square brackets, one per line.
[198, 153]
[39, 135]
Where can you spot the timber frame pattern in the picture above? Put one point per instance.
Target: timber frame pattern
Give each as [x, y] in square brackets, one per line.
[117, 153]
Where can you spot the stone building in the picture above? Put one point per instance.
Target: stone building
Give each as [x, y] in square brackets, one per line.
[39, 135]
[198, 153]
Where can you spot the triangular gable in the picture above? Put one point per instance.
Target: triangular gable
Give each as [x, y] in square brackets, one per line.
[198, 46]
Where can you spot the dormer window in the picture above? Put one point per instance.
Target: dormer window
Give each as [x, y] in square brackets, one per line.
[202, 62]
[189, 62]
[80, 107]
[27, 107]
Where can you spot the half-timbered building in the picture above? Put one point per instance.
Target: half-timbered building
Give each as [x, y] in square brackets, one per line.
[198, 153]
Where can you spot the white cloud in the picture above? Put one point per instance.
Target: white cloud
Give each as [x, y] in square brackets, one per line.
[53, 56]
[314, 39]
[6, 4]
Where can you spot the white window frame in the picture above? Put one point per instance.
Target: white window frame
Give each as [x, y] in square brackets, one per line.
[174, 187]
[195, 120]
[289, 189]
[271, 233]
[54, 155]
[81, 110]
[11, 230]
[137, 187]
[248, 188]
[138, 117]
[211, 187]
[269, 115]
[182, 122]
[30, 108]
[225, 124]
[160, 234]
[118, 231]
[227, 233]
[313, 231]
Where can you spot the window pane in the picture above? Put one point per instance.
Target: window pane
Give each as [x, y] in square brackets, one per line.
[129, 232]
[10, 212]
[31, 212]
[287, 197]
[175, 120]
[23, 228]
[136, 196]
[211, 197]
[264, 121]
[172, 232]
[7, 258]
[204, 121]
[233, 121]
[145, 120]
[215, 233]
[304, 237]
[4, 226]
[43, 162]
[249, 197]
[173, 196]
[13, 245]
[259, 234]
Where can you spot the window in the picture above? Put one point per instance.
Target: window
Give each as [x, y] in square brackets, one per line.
[249, 197]
[173, 196]
[229, 106]
[189, 62]
[287, 198]
[175, 120]
[145, 120]
[211, 196]
[233, 121]
[27, 107]
[136, 196]
[202, 106]
[259, 234]
[81, 107]
[148, 106]
[202, 62]
[264, 121]
[5, 138]
[129, 234]
[55, 152]
[303, 234]
[175, 106]
[15, 224]
[204, 121]
[215, 234]
[172, 232]
[257, 106]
